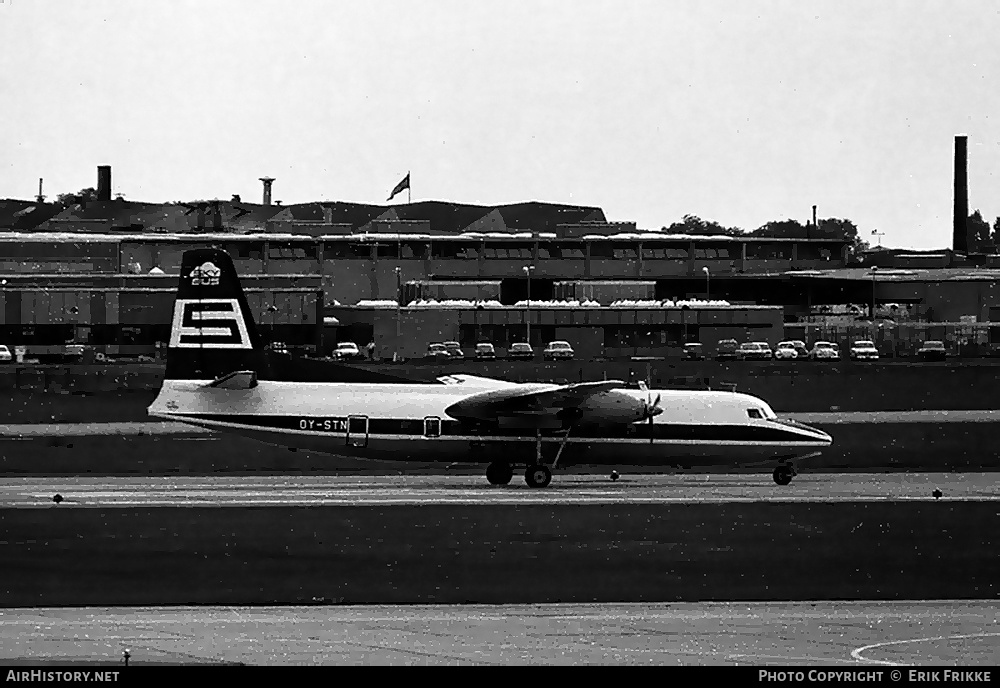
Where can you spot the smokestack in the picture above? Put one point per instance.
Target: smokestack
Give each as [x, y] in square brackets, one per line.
[267, 189]
[960, 228]
[104, 182]
[40, 198]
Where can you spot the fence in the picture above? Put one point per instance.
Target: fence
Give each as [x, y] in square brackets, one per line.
[904, 339]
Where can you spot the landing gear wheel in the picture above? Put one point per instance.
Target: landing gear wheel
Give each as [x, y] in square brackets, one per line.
[783, 474]
[499, 473]
[538, 476]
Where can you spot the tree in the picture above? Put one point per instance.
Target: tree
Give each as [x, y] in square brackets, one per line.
[781, 229]
[996, 233]
[85, 195]
[978, 232]
[830, 228]
[692, 224]
[842, 228]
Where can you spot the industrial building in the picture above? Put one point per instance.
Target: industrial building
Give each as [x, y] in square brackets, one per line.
[101, 271]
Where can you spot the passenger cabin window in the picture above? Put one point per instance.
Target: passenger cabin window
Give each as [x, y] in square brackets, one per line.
[755, 413]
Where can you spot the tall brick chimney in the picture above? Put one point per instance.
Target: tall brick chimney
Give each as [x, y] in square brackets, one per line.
[104, 182]
[960, 227]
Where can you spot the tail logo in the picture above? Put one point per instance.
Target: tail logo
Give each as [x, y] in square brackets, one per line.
[208, 324]
[205, 275]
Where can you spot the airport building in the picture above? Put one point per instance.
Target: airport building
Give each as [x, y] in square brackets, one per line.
[102, 272]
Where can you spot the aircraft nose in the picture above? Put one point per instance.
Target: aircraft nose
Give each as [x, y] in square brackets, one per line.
[819, 435]
[823, 437]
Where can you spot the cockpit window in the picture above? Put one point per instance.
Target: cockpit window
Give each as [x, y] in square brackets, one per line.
[754, 413]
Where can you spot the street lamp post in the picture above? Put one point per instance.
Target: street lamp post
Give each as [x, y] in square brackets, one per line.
[527, 312]
[399, 299]
[874, 271]
[708, 283]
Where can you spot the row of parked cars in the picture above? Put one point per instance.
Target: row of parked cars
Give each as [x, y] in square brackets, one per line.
[795, 349]
[558, 350]
[727, 349]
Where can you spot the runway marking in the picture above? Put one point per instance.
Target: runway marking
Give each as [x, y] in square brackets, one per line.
[858, 652]
[785, 658]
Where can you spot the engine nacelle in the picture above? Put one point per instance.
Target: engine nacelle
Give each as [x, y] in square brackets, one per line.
[612, 408]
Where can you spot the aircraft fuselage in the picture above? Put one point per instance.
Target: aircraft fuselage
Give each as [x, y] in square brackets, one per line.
[403, 422]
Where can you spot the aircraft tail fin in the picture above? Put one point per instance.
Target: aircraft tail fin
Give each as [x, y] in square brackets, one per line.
[212, 332]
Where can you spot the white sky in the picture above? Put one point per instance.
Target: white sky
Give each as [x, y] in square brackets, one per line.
[736, 111]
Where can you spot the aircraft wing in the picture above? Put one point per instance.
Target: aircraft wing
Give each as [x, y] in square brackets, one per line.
[475, 381]
[239, 379]
[526, 400]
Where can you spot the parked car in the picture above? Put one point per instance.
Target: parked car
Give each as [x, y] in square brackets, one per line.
[485, 352]
[786, 351]
[801, 349]
[5, 354]
[558, 350]
[347, 351]
[454, 349]
[766, 354]
[824, 351]
[754, 351]
[725, 350]
[521, 351]
[864, 350]
[932, 350]
[437, 352]
[693, 351]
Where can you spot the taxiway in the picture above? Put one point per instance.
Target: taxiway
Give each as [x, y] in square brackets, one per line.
[837, 635]
[245, 491]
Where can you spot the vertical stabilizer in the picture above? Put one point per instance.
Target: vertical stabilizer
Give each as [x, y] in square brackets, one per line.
[212, 332]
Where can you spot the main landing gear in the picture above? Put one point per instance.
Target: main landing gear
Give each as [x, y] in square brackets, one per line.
[784, 473]
[536, 474]
[499, 473]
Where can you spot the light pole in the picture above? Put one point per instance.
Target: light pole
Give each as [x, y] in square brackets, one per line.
[527, 312]
[874, 271]
[878, 235]
[708, 283]
[399, 299]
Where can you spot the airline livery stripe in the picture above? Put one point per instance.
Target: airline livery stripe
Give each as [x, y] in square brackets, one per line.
[451, 428]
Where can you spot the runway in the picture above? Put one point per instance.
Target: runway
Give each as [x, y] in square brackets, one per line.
[288, 491]
[136, 428]
[834, 635]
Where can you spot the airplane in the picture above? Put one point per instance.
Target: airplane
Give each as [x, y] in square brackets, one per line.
[216, 378]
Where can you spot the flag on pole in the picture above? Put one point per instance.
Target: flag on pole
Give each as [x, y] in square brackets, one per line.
[399, 188]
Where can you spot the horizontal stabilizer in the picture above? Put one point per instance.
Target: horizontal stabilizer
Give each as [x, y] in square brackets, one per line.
[240, 379]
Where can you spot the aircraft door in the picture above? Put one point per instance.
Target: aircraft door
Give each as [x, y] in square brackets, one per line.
[357, 431]
[432, 426]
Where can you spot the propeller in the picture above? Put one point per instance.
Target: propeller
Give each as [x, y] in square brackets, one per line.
[650, 410]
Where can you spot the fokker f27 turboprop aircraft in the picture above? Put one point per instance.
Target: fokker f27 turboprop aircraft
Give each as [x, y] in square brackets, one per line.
[213, 380]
